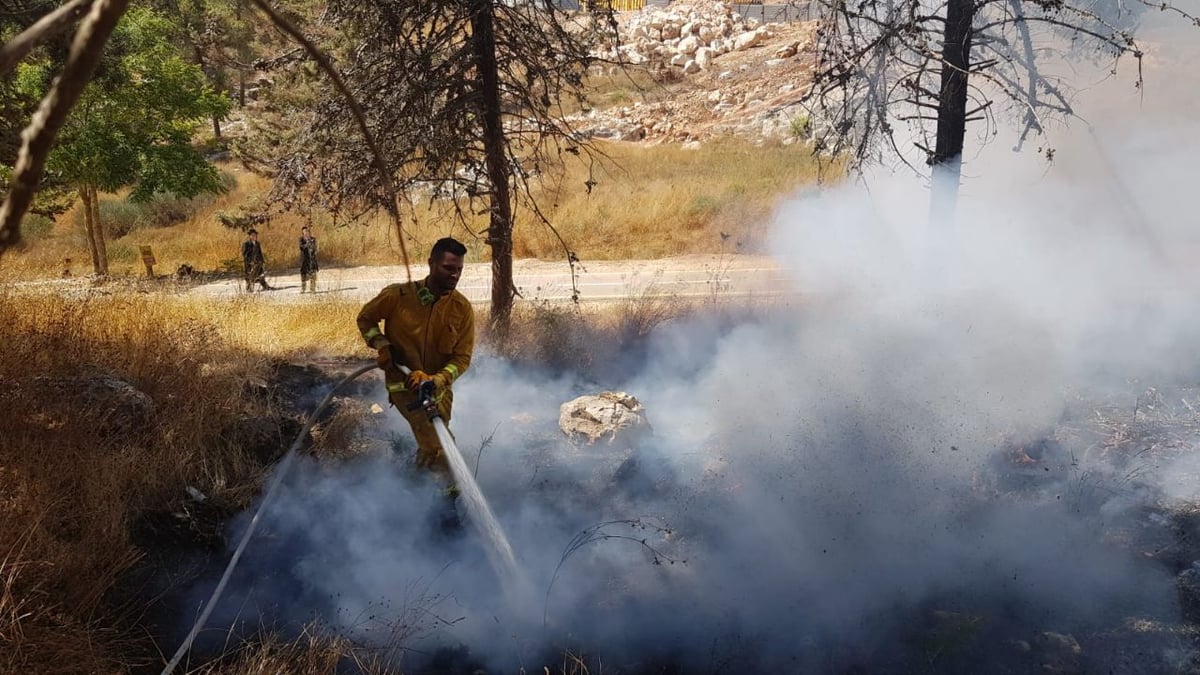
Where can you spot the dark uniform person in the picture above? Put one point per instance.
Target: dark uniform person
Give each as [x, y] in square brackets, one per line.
[308, 261]
[430, 328]
[253, 263]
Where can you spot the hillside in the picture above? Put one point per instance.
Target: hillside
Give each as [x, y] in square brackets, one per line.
[714, 74]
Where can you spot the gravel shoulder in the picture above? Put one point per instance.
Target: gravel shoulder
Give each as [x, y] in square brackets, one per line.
[692, 276]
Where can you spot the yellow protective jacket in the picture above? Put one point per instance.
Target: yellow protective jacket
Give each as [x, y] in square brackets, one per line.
[435, 334]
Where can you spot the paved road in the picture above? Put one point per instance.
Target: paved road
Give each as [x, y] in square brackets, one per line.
[693, 277]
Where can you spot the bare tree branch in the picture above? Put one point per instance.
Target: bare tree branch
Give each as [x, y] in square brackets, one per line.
[45, 28]
[381, 164]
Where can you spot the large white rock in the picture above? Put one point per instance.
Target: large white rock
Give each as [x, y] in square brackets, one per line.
[747, 40]
[704, 57]
[608, 415]
[688, 45]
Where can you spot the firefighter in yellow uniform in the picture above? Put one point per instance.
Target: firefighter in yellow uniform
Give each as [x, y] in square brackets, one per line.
[429, 327]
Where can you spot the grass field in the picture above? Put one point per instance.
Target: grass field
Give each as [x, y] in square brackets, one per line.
[647, 202]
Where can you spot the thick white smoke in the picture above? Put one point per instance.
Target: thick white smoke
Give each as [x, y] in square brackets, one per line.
[827, 472]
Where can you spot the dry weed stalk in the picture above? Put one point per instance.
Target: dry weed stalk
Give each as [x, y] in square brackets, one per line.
[600, 532]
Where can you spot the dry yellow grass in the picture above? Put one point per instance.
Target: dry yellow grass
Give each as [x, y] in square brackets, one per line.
[651, 202]
[310, 654]
[69, 494]
[647, 202]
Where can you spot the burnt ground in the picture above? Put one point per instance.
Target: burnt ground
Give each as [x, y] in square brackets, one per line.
[1100, 448]
[188, 542]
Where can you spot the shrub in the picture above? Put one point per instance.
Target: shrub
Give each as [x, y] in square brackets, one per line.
[702, 206]
[163, 209]
[801, 126]
[118, 216]
[35, 226]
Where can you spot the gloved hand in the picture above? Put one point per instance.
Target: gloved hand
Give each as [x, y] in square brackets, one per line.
[389, 356]
[415, 378]
[441, 380]
[427, 391]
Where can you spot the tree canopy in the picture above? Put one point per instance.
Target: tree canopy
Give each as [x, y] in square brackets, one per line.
[134, 124]
[462, 97]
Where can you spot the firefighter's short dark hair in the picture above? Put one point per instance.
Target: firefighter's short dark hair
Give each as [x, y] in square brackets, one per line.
[252, 231]
[448, 245]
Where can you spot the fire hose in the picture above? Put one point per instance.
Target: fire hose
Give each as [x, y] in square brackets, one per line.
[425, 401]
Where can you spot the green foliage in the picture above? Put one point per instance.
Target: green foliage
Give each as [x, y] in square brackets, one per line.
[121, 216]
[134, 124]
[703, 206]
[801, 127]
[53, 199]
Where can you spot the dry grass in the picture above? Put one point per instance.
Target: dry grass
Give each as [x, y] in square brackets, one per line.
[68, 495]
[313, 653]
[71, 483]
[620, 86]
[647, 202]
[659, 201]
[70, 490]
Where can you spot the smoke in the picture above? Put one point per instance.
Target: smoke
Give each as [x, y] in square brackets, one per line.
[822, 477]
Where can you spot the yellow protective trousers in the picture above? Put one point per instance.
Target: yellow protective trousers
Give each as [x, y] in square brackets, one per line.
[430, 454]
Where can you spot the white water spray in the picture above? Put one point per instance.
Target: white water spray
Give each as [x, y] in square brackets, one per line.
[499, 551]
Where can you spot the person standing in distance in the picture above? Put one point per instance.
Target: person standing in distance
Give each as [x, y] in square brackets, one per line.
[308, 261]
[253, 263]
[429, 327]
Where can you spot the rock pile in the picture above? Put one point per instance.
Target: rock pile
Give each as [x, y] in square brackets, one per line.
[716, 74]
[688, 35]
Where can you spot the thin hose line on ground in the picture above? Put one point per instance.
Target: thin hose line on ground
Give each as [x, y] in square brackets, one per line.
[280, 471]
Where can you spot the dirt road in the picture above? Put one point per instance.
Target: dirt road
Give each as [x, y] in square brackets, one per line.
[692, 277]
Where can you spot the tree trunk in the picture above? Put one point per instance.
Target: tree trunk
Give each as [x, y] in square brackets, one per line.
[500, 225]
[98, 234]
[89, 226]
[213, 80]
[952, 111]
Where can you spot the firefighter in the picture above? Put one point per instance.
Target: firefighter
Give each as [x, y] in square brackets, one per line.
[429, 327]
[308, 261]
[253, 263]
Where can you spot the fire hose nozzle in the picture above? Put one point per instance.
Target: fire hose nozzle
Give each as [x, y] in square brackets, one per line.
[425, 398]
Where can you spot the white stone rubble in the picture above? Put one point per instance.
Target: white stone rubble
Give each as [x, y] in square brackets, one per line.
[696, 32]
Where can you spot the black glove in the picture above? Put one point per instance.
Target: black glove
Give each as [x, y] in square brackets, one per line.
[425, 398]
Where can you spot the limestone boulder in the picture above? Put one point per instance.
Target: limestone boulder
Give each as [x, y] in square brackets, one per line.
[611, 416]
